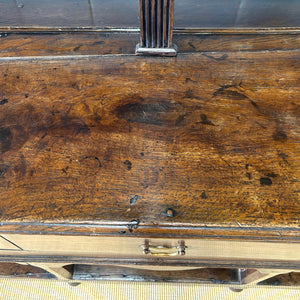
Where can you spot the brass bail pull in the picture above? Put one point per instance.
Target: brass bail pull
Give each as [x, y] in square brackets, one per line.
[156, 28]
[162, 250]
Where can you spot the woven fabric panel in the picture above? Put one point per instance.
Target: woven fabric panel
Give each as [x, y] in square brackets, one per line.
[27, 289]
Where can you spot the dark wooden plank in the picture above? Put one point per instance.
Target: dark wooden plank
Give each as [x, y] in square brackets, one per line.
[14, 270]
[215, 13]
[213, 136]
[230, 42]
[51, 13]
[138, 262]
[277, 13]
[105, 43]
[203, 275]
[235, 13]
[289, 279]
[67, 44]
[87, 272]
[124, 14]
[116, 13]
[124, 228]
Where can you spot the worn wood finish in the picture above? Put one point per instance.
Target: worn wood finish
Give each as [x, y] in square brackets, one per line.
[56, 269]
[121, 228]
[86, 139]
[103, 154]
[119, 13]
[86, 272]
[99, 44]
[156, 28]
[15, 270]
[236, 253]
[289, 279]
[203, 275]
[81, 273]
[32, 258]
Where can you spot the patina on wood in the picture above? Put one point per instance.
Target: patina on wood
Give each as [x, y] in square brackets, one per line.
[15, 270]
[95, 43]
[156, 28]
[81, 272]
[111, 140]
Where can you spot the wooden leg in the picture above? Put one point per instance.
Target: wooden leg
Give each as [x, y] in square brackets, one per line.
[57, 270]
[253, 277]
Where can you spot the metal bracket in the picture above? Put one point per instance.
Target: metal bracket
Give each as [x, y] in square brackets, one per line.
[156, 28]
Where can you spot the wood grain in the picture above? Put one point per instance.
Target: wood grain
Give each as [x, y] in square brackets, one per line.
[44, 44]
[86, 272]
[203, 275]
[290, 279]
[37, 258]
[15, 270]
[212, 136]
[238, 253]
[103, 272]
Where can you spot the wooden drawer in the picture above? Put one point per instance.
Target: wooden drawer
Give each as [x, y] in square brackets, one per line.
[123, 247]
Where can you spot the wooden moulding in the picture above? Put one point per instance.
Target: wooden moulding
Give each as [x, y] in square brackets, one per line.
[61, 44]
[37, 259]
[156, 28]
[199, 251]
[78, 273]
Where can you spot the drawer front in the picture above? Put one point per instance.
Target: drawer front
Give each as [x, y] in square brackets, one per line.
[160, 250]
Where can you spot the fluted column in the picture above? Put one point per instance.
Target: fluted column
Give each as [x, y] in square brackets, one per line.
[156, 27]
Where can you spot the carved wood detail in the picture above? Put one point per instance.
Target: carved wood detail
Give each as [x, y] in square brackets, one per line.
[156, 27]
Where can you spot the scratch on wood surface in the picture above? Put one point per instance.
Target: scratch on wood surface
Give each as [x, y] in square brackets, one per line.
[238, 223]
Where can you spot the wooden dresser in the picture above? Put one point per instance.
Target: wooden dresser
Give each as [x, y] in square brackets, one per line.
[180, 168]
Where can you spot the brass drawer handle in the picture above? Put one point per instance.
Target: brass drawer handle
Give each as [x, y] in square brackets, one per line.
[164, 251]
